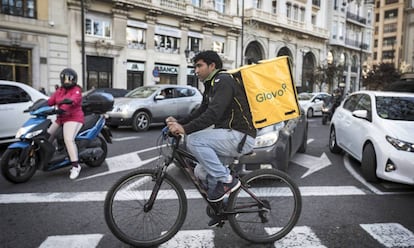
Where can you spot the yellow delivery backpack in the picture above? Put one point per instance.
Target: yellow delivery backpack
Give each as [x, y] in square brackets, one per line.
[270, 90]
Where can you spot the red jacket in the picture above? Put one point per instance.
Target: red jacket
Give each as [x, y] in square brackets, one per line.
[73, 112]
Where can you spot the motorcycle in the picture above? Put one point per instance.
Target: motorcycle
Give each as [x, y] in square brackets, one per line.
[33, 151]
[327, 108]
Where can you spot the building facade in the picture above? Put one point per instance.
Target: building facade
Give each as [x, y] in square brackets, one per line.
[126, 44]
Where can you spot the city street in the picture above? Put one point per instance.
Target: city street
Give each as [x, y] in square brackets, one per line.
[340, 209]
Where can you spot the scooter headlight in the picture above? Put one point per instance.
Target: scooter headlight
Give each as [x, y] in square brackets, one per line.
[24, 132]
[33, 134]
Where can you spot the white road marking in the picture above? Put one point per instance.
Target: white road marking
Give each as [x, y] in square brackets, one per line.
[124, 162]
[356, 175]
[312, 163]
[300, 237]
[190, 193]
[191, 238]
[390, 234]
[124, 138]
[72, 241]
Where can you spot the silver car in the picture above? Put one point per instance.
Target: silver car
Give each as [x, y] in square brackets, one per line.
[146, 105]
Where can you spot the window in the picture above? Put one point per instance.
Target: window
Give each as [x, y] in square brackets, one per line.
[351, 102]
[288, 10]
[13, 94]
[194, 44]
[391, 14]
[390, 41]
[390, 28]
[168, 44]
[257, 4]
[274, 6]
[196, 3]
[135, 37]
[25, 8]
[100, 27]
[218, 44]
[219, 6]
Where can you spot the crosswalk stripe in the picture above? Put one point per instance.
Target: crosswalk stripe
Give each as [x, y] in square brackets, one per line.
[387, 234]
[390, 234]
[191, 238]
[72, 241]
[190, 193]
[300, 237]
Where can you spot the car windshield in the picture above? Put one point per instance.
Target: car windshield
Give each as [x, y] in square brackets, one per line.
[395, 107]
[142, 92]
[305, 97]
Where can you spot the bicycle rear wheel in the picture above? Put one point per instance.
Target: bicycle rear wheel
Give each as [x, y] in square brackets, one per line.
[125, 215]
[266, 224]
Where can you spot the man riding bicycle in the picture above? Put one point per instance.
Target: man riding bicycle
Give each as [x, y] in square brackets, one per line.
[220, 128]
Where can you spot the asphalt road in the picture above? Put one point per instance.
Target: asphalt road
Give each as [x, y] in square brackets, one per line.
[339, 208]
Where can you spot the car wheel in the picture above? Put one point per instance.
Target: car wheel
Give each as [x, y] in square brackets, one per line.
[309, 114]
[333, 146]
[141, 121]
[369, 164]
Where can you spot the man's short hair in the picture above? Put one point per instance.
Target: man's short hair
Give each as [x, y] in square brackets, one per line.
[209, 57]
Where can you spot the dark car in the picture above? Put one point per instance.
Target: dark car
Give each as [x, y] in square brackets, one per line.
[276, 144]
[115, 92]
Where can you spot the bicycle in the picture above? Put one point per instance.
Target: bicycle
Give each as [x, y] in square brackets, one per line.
[148, 207]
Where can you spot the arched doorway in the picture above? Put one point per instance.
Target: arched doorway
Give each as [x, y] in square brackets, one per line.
[253, 53]
[308, 68]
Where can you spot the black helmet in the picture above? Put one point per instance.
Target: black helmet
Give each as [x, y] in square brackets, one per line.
[69, 74]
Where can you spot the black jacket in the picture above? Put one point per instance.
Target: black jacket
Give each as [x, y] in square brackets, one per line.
[224, 105]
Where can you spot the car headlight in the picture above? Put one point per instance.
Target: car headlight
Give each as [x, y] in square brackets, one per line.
[120, 108]
[400, 144]
[267, 139]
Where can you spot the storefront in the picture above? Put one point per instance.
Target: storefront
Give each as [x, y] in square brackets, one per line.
[15, 64]
[135, 74]
[191, 77]
[168, 74]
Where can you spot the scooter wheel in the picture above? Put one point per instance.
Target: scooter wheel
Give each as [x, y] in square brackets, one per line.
[13, 170]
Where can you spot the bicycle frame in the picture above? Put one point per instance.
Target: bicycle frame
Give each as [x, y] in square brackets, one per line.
[184, 160]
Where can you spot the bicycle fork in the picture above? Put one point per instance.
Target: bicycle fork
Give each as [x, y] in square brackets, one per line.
[158, 177]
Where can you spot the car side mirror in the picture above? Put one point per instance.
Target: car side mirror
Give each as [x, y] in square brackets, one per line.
[159, 97]
[362, 114]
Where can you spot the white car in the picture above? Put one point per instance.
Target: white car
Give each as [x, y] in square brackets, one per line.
[377, 129]
[14, 99]
[312, 102]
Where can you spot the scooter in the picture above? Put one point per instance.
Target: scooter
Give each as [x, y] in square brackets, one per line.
[33, 151]
[327, 112]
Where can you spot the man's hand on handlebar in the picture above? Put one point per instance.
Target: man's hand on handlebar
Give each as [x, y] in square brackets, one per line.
[174, 127]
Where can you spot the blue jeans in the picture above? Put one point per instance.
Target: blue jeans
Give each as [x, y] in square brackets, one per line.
[214, 147]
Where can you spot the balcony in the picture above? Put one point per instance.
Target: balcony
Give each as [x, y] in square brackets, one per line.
[280, 22]
[356, 18]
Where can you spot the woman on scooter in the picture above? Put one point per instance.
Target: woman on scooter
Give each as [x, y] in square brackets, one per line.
[72, 117]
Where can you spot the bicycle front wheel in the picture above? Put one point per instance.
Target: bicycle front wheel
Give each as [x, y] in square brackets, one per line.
[282, 204]
[131, 223]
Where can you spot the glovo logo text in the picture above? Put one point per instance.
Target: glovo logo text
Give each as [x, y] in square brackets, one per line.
[264, 96]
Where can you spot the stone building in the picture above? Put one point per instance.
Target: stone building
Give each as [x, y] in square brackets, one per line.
[129, 43]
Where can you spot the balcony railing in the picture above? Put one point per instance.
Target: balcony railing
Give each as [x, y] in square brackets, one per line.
[355, 17]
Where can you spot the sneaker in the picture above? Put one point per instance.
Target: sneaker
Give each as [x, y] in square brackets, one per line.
[221, 189]
[215, 221]
[74, 172]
